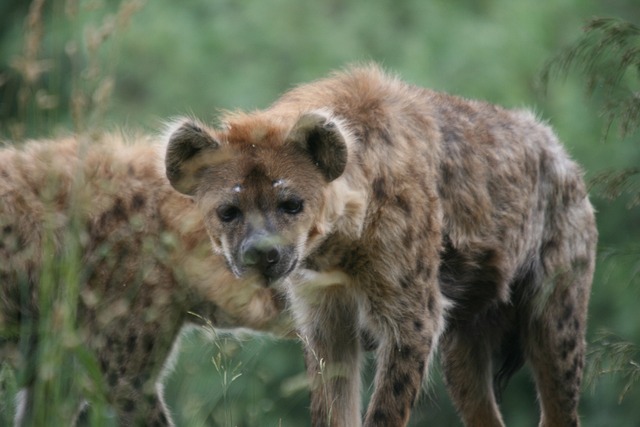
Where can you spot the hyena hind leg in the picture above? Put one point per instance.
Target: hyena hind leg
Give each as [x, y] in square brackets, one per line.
[555, 347]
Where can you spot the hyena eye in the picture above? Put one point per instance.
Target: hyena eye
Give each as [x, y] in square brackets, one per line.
[228, 213]
[291, 206]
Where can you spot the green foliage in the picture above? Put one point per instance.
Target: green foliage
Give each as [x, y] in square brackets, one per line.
[84, 65]
[231, 380]
[612, 355]
[608, 56]
[8, 390]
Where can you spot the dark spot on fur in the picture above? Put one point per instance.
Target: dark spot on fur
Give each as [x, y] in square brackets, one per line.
[575, 366]
[118, 211]
[379, 191]
[138, 201]
[400, 384]
[380, 416]
[115, 214]
[112, 379]
[406, 351]
[446, 175]
[148, 342]
[121, 358]
[137, 382]
[569, 375]
[405, 282]
[567, 312]
[386, 138]
[404, 205]
[418, 325]
[7, 229]
[128, 405]
[569, 344]
[450, 134]
[131, 343]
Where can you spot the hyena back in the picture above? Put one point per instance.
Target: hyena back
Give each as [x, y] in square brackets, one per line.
[440, 222]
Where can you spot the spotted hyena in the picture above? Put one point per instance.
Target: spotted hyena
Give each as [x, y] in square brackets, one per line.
[448, 223]
[145, 264]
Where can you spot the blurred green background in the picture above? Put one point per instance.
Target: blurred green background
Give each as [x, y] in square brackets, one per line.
[96, 64]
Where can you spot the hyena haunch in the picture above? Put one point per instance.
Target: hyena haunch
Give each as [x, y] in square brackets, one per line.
[448, 223]
[145, 263]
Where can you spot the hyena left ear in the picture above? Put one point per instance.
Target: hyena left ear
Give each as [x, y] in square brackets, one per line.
[322, 139]
[183, 160]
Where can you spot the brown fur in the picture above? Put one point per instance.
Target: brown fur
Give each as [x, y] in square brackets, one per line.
[440, 222]
[145, 263]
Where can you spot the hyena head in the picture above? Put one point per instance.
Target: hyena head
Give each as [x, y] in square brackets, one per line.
[259, 184]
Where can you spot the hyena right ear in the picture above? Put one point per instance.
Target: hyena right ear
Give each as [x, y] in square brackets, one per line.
[322, 138]
[183, 160]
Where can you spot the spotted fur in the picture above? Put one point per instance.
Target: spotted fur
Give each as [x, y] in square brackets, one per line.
[446, 223]
[145, 264]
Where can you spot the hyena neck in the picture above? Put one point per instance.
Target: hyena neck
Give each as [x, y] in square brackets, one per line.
[343, 213]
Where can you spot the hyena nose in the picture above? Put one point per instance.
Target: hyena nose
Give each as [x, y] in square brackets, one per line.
[262, 258]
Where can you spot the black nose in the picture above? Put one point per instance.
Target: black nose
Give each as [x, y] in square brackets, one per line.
[264, 258]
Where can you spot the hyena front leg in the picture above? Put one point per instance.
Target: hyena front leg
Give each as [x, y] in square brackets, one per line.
[414, 321]
[328, 329]
[466, 361]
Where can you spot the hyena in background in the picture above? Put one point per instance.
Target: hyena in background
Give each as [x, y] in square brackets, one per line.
[446, 222]
[146, 262]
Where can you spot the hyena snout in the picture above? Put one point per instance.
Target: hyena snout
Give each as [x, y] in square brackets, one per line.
[266, 254]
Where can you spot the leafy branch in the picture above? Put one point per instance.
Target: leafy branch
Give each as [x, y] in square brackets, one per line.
[612, 355]
[608, 56]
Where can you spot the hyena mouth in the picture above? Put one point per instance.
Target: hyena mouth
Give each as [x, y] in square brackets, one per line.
[275, 278]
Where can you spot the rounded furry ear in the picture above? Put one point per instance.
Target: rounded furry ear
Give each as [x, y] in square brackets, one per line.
[186, 141]
[322, 139]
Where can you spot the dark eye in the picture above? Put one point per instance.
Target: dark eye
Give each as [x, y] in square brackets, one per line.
[228, 213]
[291, 206]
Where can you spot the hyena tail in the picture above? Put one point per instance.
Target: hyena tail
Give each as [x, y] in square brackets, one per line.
[510, 359]
[510, 352]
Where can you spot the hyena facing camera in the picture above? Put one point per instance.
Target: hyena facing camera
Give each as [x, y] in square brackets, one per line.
[439, 222]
